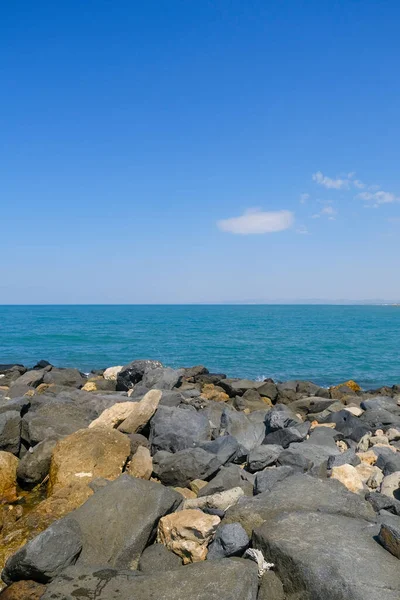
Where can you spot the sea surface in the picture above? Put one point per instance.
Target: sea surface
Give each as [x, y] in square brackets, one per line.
[324, 344]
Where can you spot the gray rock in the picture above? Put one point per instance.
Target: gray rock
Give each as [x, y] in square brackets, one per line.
[389, 537]
[157, 558]
[381, 502]
[279, 417]
[388, 461]
[226, 579]
[271, 587]
[249, 430]
[314, 404]
[120, 520]
[133, 373]
[137, 439]
[229, 540]
[10, 431]
[30, 379]
[351, 427]
[225, 447]
[181, 468]
[35, 464]
[227, 478]
[65, 377]
[269, 390]
[379, 418]
[299, 493]
[237, 387]
[312, 553]
[52, 419]
[46, 555]
[289, 435]
[344, 458]
[307, 456]
[174, 429]
[381, 402]
[162, 378]
[262, 457]
[265, 480]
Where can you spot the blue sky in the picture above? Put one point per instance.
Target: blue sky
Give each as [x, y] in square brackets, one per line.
[212, 151]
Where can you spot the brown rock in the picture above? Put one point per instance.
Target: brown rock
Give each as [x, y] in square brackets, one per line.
[141, 464]
[197, 484]
[113, 416]
[389, 537]
[214, 392]
[23, 590]
[8, 477]
[187, 533]
[185, 492]
[368, 458]
[87, 454]
[141, 412]
[370, 475]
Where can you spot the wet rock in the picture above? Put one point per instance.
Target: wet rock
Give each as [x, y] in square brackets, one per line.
[157, 558]
[10, 431]
[47, 555]
[141, 464]
[8, 477]
[229, 540]
[87, 454]
[35, 465]
[187, 533]
[174, 429]
[181, 468]
[389, 537]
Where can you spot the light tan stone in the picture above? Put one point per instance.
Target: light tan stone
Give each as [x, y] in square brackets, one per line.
[185, 492]
[221, 500]
[391, 484]
[141, 412]
[349, 477]
[197, 484]
[8, 477]
[393, 434]
[341, 444]
[315, 424]
[141, 464]
[379, 439]
[113, 416]
[87, 454]
[356, 411]
[112, 373]
[187, 533]
[369, 457]
[90, 386]
[371, 475]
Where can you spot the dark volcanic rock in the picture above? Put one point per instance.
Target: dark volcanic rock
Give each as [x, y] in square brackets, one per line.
[174, 429]
[249, 430]
[132, 373]
[35, 465]
[52, 419]
[279, 417]
[263, 456]
[181, 468]
[157, 558]
[65, 377]
[227, 478]
[265, 480]
[289, 435]
[229, 540]
[162, 378]
[10, 431]
[225, 447]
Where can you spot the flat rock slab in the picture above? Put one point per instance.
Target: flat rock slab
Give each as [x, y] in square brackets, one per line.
[214, 580]
[330, 557]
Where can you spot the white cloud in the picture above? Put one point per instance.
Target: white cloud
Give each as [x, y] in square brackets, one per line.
[359, 184]
[304, 198]
[255, 221]
[327, 211]
[379, 198]
[335, 184]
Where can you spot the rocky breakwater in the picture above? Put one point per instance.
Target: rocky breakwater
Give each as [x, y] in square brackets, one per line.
[147, 482]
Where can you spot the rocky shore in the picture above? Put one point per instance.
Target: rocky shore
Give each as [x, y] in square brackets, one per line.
[145, 482]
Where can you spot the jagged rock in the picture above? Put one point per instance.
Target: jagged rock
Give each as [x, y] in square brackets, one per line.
[229, 540]
[157, 558]
[187, 533]
[162, 378]
[114, 415]
[35, 465]
[219, 501]
[174, 429]
[212, 392]
[10, 431]
[65, 377]
[280, 417]
[181, 468]
[47, 555]
[8, 477]
[30, 379]
[289, 435]
[262, 457]
[389, 537]
[229, 477]
[87, 454]
[268, 389]
[249, 430]
[225, 447]
[141, 464]
[349, 426]
[133, 373]
[141, 412]
[348, 457]
[265, 480]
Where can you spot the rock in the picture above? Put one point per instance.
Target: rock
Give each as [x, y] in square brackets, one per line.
[315, 404]
[307, 456]
[393, 434]
[174, 429]
[187, 533]
[268, 389]
[219, 501]
[137, 440]
[309, 574]
[251, 401]
[265, 480]
[87, 454]
[162, 378]
[133, 373]
[349, 426]
[65, 377]
[262, 457]
[285, 437]
[227, 478]
[23, 590]
[111, 374]
[10, 432]
[158, 559]
[8, 477]
[349, 477]
[348, 457]
[141, 412]
[389, 537]
[280, 417]
[196, 485]
[114, 415]
[225, 447]
[181, 468]
[370, 475]
[379, 439]
[356, 411]
[229, 540]
[185, 492]
[249, 430]
[119, 542]
[381, 502]
[227, 579]
[141, 464]
[299, 493]
[369, 457]
[211, 392]
[52, 419]
[352, 385]
[391, 485]
[47, 555]
[388, 461]
[35, 465]
[192, 372]
[21, 385]
[271, 587]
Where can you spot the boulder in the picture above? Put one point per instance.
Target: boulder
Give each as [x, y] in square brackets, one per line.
[137, 440]
[249, 430]
[225, 447]
[111, 374]
[53, 419]
[349, 477]
[268, 389]
[214, 392]
[10, 431]
[280, 417]
[174, 429]
[227, 579]
[229, 477]
[119, 542]
[262, 457]
[187, 533]
[35, 464]
[271, 587]
[87, 454]
[252, 401]
[23, 590]
[229, 540]
[157, 558]
[162, 378]
[8, 477]
[312, 550]
[349, 426]
[132, 373]
[181, 468]
[47, 555]
[237, 387]
[389, 537]
[388, 461]
[287, 436]
[141, 464]
[65, 377]
[30, 379]
[265, 480]
[113, 416]
[141, 412]
[349, 457]
[220, 501]
[391, 485]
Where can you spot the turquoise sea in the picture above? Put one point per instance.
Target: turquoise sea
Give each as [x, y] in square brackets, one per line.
[324, 344]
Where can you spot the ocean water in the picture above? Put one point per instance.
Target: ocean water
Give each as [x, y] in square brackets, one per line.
[324, 344]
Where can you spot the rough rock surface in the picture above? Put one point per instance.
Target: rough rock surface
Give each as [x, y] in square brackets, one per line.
[8, 477]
